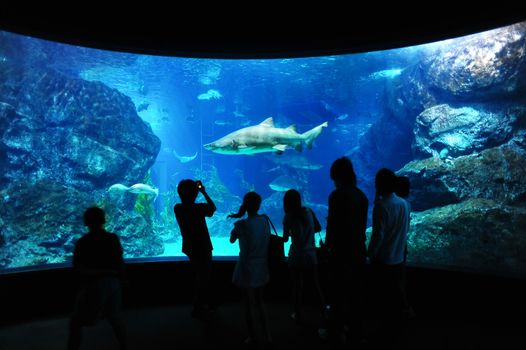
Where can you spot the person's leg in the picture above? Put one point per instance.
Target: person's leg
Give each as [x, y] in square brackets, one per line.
[249, 313]
[319, 289]
[75, 333]
[355, 292]
[336, 294]
[263, 319]
[113, 309]
[297, 286]
[119, 329]
[201, 265]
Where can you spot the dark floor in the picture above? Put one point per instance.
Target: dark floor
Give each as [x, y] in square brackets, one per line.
[173, 328]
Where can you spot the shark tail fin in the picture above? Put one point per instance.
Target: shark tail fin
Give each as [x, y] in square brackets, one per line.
[312, 134]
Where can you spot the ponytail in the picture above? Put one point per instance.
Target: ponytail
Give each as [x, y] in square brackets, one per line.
[251, 203]
[241, 212]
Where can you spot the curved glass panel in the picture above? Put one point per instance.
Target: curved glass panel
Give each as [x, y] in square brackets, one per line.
[82, 127]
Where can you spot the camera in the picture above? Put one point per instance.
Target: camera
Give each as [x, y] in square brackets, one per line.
[199, 184]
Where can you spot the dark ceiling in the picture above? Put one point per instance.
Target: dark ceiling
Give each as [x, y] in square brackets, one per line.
[273, 34]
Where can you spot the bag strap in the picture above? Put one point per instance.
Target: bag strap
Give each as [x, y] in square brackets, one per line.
[316, 219]
[271, 224]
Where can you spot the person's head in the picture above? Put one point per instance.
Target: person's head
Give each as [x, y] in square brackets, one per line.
[187, 190]
[94, 218]
[385, 182]
[342, 172]
[251, 204]
[402, 186]
[292, 202]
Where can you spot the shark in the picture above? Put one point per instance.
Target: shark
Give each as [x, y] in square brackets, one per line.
[264, 137]
[283, 183]
[294, 160]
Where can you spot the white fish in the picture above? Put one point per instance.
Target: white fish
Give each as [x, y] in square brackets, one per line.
[386, 74]
[144, 189]
[137, 188]
[210, 94]
[118, 188]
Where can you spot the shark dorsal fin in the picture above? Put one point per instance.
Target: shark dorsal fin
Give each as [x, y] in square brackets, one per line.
[292, 127]
[267, 122]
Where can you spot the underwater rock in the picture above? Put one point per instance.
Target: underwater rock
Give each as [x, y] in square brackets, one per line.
[477, 235]
[83, 133]
[63, 142]
[460, 131]
[486, 65]
[42, 220]
[137, 236]
[37, 214]
[478, 68]
[495, 173]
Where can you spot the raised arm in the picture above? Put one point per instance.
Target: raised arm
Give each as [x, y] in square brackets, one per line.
[211, 206]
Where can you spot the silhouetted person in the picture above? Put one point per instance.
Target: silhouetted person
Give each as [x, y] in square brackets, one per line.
[251, 272]
[403, 187]
[299, 224]
[197, 245]
[386, 251]
[345, 240]
[98, 261]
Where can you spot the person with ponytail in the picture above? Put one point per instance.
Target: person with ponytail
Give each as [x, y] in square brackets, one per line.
[251, 272]
[300, 224]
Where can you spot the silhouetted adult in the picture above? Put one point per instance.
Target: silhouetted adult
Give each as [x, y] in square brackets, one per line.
[345, 240]
[197, 245]
[300, 224]
[386, 251]
[403, 187]
[98, 261]
[251, 272]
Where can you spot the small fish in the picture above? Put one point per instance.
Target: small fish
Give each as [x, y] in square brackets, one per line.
[142, 107]
[222, 122]
[210, 94]
[272, 169]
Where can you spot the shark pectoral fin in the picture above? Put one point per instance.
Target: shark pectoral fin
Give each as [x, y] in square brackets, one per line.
[244, 149]
[280, 148]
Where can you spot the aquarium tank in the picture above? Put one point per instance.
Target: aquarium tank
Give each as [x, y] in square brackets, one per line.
[81, 127]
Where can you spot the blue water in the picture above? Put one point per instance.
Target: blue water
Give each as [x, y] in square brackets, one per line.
[187, 103]
[190, 102]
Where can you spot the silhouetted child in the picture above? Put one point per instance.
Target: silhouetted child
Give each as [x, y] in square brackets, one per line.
[197, 245]
[98, 261]
[300, 224]
[251, 272]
